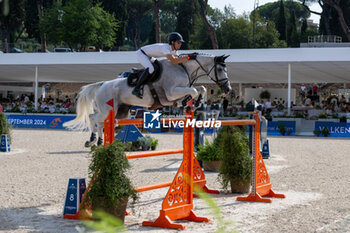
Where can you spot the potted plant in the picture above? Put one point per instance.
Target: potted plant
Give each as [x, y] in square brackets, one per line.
[4, 126]
[145, 142]
[325, 131]
[154, 143]
[110, 188]
[317, 132]
[208, 153]
[236, 167]
[282, 129]
[323, 116]
[265, 94]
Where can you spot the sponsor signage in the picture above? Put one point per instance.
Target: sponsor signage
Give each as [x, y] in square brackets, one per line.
[273, 130]
[38, 121]
[336, 129]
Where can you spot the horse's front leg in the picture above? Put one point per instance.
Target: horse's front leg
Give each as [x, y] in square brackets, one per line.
[100, 133]
[177, 93]
[93, 135]
[201, 97]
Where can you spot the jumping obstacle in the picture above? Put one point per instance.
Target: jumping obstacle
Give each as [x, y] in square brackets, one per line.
[178, 202]
[261, 186]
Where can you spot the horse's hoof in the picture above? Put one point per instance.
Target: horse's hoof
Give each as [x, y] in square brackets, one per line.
[87, 144]
[99, 142]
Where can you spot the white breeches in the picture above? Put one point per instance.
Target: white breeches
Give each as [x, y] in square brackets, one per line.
[144, 61]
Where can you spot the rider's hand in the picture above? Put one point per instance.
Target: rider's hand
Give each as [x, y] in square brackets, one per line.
[192, 56]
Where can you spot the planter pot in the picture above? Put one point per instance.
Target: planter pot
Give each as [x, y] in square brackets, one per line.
[144, 148]
[240, 186]
[211, 166]
[153, 147]
[118, 211]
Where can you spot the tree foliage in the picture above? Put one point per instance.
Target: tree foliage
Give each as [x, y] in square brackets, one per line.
[281, 21]
[79, 24]
[335, 16]
[11, 20]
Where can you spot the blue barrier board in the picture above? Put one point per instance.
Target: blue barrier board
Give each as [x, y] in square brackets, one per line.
[38, 121]
[336, 129]
[272, 127]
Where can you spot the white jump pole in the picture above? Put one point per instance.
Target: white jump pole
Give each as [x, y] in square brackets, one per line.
[289, 87]
[36, 89]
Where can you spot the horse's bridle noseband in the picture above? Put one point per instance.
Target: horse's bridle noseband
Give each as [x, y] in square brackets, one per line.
[216, 80]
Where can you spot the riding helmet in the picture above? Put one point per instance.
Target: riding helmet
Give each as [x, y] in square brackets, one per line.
[174, 36]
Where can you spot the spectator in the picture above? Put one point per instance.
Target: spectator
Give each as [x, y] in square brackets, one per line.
[342, 100]
[314, 90]
[26, 99]
[224, 104]
[309, 90]
[268, 106]
[302, 93]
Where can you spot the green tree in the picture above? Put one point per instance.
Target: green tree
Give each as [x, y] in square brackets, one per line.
[203, 6]
[51, 24]
[237, 33]
[79, 24]
[11, 21]
[137, 9]
[270, 11]
[186, 11]
[118, 8]
[281, 22]
[292, 33]
[335, 15]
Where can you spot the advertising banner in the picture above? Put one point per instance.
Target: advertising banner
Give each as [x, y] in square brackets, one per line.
[38, 121]
[336, 129]
[274, 130]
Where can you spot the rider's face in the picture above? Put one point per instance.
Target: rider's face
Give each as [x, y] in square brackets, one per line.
[177, 45]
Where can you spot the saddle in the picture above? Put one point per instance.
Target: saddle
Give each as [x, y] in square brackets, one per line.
[136, 72]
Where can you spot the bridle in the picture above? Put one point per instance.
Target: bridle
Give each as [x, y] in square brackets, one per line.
[194, 76]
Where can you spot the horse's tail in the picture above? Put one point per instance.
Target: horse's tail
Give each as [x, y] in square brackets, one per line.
[85, 107]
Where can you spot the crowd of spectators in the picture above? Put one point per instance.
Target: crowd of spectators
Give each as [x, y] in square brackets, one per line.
[308, 100]
[25, 104]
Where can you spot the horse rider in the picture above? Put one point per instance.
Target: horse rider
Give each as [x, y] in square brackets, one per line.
[170, 51]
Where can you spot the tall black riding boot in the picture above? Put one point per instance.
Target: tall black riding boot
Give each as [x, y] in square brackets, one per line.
[140, 81]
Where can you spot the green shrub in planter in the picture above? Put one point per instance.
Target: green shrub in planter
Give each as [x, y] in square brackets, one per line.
[145, 142]
[236, 167]
[265, 94]
[110, 187]
[325, 131]
[317, 132]
[208, 152]
[154, 143]
[323, 116]
[128, 146]
[282, 129]
[4, 126]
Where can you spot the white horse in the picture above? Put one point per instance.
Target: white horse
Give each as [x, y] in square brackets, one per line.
[175, 84]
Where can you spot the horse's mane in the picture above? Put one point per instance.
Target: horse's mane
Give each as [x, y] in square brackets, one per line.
[201, 54]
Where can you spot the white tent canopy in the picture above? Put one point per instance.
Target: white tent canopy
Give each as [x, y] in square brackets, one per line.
[244, 65]
[291, 65]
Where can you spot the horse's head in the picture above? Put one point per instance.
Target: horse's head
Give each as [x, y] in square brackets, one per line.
[215, 69]
[220, 73]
